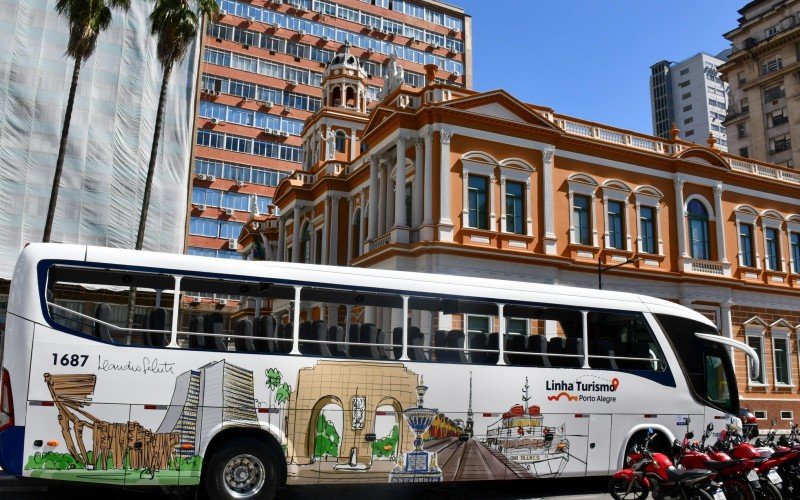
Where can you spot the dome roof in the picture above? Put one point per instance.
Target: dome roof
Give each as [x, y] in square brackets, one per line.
[345, 60]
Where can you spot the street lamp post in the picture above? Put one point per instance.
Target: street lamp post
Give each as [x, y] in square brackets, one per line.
[601, 268]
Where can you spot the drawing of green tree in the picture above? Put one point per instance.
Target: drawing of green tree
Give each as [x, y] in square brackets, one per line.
[326, 443]
[386, 446]
[283, 393]
[274, 377]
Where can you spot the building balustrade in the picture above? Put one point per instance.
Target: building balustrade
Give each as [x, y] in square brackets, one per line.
[702, 266]
[380, 241]
[304, 177]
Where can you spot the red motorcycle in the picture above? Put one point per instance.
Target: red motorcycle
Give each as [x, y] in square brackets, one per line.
[768, 461]
[653, 472]
[738, 476]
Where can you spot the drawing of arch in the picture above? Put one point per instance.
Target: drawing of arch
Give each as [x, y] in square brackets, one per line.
[393, 411]
[311, 434]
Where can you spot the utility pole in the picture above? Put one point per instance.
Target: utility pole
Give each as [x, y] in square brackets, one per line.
[601, 269]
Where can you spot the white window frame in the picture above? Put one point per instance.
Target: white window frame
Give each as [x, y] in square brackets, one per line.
[746, 217]
[614, 193]
[524, 177]
[790, 417]
[758, 331]
[580, 187]
[468, 168]
[781, 332]
[648, 201]
[772, 222]
[792, 227]
[527, 325]
[763, 412]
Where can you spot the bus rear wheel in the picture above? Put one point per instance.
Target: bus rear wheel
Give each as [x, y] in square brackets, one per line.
[241, 470]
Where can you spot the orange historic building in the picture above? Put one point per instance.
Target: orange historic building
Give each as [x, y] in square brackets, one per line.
[446, 180]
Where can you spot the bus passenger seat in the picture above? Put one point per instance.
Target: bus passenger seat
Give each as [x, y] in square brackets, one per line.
[455, 339]
[336, 334]
[215, 326]
[477, 340]
[622, 350]
[287, 333]
[556, 346]
[537, 345]
[440, 340]
[101, 331]
[264, 329]
[384, 349]
[416, 341]
[516, 343]
[319, 331]
[244, 328]
[397, 340]
[604, 347]
[195, 325]
[369, 335]
[574, 345]
[158, 321]
[307, 334]
[641, 349]
[493, 344]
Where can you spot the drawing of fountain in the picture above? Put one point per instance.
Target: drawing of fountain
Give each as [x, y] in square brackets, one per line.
[418, 466]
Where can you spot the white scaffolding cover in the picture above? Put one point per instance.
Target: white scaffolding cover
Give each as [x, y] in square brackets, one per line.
[109, 138]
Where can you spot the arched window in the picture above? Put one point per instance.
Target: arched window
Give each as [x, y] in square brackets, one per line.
[305, 244]
[698, 230]
[341, 141]
[355, 240]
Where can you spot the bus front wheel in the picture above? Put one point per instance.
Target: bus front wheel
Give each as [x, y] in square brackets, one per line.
[241, 470]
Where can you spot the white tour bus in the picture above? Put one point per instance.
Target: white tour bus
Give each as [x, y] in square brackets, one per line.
[335, 374]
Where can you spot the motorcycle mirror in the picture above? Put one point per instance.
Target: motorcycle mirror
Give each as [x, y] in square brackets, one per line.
[710, 426]
[689, 435]
[753, 432]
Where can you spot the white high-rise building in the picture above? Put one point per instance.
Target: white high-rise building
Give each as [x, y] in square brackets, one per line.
[692, 95]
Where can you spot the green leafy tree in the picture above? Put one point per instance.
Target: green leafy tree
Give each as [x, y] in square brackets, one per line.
[273, 378]
[386, 446]
[86, 19]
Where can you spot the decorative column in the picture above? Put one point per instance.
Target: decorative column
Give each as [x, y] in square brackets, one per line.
[503, 214]
[328, 151]
[528, 208]
[380, 200]
[549, 239]
[296, 235]
[363, 216]
[445, 223]
[721, 251]
[416, 187]
[353, 152]
[281, 238]
[680, 213]
[372, 231]
[350, 227]
[333, 252]
[323, 259]
[400, 184]
[426, 233]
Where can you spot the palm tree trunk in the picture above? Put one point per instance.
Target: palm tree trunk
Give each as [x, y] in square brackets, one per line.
[62, 150]
[148, 184]
[162, 100]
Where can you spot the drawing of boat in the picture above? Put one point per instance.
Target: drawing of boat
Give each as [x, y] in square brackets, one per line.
[521, 436]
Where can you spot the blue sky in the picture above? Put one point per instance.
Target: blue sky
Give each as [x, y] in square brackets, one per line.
[591, 59]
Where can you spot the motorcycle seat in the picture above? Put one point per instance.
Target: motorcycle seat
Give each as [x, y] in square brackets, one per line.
[674, 474]
[718, 465]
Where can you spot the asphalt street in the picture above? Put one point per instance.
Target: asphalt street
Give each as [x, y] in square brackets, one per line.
[12, 488]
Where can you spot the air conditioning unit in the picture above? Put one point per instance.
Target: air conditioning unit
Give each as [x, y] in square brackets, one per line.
[222, 302]
[437, 46]
[211, 178]
[202, 207]
[325, 38]
[268, 130]
[229, 212]
[302, 32]
[215, 121]
[276, 25]
[233, 244]
[195, 300]
[456, 74]
[202, 177]
[239, 183]
[284, 133]
[251, 19]
[268, 104]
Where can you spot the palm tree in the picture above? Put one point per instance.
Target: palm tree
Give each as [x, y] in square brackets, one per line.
[175, 25]
[87, 19]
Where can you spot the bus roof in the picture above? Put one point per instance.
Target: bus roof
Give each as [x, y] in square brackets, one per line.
[403, 281]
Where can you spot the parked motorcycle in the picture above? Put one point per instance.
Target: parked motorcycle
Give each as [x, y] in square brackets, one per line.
[653, 472]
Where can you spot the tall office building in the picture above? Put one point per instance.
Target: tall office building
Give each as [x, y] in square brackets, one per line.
[261, 76]
[692, 95]
[762, 71]
[109, 140]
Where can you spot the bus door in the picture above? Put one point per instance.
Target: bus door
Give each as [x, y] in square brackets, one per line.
[598, 454]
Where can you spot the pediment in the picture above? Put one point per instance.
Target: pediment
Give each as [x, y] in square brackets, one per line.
[501, 105]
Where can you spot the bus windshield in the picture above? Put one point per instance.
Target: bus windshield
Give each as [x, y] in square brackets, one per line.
[707, 365]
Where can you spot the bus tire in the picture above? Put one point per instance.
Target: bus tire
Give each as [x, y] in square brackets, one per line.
[241, 469]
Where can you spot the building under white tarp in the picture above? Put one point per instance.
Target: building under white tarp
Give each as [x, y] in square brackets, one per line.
[109, 140]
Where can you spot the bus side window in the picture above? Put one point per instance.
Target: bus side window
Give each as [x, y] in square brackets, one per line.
[543, 336]
[622, 341]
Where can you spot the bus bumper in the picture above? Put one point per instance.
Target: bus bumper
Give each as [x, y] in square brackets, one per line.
[11, 444]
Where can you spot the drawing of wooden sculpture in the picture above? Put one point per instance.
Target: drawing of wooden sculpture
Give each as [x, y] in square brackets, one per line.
[110, 441]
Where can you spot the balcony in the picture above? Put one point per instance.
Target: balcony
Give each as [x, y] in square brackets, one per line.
[707, 267]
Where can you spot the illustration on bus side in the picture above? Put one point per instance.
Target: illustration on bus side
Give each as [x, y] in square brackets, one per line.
[343, 421]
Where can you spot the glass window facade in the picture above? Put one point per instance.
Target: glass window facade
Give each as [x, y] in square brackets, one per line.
[746, 245]
[515, 207]
[772, 248]
[698, 230]
[582, 219]
[477, 194]
[647, 229]
[616, 224]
